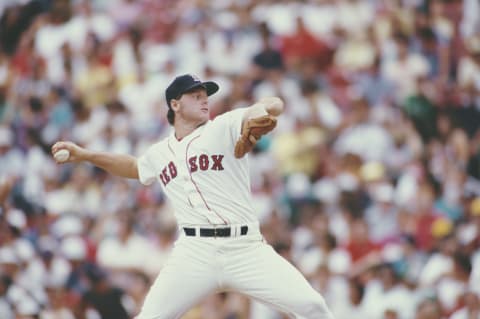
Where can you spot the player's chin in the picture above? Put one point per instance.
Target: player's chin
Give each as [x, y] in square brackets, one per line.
[204, 114]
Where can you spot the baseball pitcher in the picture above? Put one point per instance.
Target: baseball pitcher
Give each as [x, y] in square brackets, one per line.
[203, 169]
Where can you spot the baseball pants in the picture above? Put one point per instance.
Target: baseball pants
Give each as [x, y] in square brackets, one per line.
[200, 266]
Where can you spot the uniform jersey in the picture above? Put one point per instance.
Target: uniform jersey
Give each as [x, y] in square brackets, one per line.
[199, 174]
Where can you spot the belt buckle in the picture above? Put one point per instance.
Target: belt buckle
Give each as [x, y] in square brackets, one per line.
[215, 231]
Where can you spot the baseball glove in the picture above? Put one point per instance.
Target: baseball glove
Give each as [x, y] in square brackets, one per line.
[253, 129]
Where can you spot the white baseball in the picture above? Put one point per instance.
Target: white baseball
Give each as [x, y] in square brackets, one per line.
[62, 155]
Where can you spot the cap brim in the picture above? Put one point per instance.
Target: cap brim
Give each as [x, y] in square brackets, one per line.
[210, 87]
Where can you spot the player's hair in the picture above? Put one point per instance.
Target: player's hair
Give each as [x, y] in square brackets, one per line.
[171, 116]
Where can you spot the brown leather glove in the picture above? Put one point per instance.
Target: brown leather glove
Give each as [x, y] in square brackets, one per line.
[253, 129]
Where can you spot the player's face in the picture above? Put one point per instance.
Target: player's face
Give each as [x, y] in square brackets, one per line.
[194, 106]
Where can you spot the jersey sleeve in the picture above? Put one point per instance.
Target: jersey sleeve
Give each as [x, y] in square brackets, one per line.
[233, 123]
[146, 171]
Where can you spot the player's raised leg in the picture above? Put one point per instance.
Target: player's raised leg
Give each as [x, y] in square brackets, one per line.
[258, 271]
[187, 277]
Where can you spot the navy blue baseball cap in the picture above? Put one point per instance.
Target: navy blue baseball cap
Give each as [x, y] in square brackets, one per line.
[185, 83]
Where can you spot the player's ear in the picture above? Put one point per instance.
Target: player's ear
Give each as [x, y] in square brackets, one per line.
[175, 104]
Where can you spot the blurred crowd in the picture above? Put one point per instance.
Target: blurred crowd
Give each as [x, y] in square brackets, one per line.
[370, 184]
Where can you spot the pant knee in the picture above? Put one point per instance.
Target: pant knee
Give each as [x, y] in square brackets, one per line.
[164, 312]
[316, 308]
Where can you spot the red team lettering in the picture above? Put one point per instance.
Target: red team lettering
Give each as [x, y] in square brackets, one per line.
[164, 176]
[172, 169]
[203, 159]
[217, 162]
[193, 164]
[169, 172]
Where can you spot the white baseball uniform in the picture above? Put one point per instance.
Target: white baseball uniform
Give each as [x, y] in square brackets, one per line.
[210, 189]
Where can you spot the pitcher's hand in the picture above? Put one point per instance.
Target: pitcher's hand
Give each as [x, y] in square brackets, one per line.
[77, 153]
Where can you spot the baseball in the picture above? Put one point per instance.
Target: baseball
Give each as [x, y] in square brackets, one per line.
[62, 155]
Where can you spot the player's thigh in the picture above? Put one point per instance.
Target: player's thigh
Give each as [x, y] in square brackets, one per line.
[186, 278]
[264, 275]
